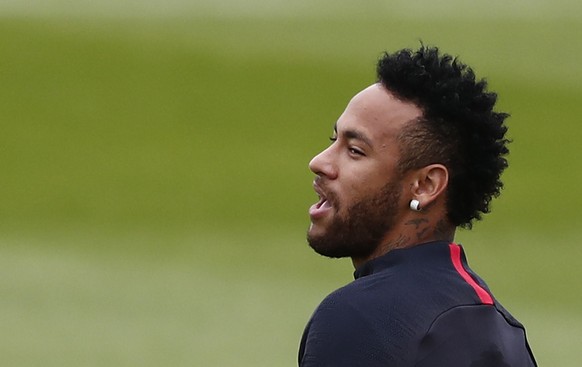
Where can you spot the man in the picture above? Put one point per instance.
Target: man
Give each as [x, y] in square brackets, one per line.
[413, 157]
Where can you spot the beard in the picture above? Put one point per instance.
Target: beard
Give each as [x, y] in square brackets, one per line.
[360, 231]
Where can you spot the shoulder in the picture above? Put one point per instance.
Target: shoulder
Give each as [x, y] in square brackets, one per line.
[343, 332]
[345, 310]
[365, 323]
[362, 298]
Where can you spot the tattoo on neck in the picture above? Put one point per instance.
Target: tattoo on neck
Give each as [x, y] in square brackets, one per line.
[416, 222]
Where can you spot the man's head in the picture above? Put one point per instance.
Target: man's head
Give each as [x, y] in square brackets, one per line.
[358, 179]
[425, 131]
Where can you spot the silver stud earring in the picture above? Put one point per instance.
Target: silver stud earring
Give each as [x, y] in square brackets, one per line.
[415, 205]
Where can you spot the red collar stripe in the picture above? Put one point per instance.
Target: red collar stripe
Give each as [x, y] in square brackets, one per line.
[484, 296]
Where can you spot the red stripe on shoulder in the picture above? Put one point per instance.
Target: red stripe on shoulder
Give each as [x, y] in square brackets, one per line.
[483, 295]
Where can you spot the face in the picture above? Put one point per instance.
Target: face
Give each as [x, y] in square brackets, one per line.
[357, 177]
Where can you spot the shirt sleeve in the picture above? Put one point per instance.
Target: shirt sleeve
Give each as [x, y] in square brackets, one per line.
[474, 336]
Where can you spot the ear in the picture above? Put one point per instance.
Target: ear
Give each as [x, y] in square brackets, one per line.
[429, 183]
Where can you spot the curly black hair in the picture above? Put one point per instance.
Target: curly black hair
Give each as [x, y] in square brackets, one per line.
[458, 128]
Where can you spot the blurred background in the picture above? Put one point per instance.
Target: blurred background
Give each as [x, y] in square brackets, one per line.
[154, 184]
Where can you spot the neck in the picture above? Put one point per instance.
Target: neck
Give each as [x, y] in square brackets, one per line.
[413, 231]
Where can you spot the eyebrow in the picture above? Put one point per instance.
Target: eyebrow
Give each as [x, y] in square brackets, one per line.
[354, 134]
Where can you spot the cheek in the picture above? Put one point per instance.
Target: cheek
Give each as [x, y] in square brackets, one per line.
[363, 179]
[352, 193]
[365, 185]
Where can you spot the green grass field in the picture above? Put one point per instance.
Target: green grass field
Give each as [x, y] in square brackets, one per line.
[154, 188]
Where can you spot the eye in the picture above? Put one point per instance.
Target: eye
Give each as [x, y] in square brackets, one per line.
[355, 151]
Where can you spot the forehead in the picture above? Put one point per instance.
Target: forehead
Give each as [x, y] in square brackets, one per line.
[377, 113]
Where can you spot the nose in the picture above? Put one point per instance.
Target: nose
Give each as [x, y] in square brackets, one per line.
[323, 164]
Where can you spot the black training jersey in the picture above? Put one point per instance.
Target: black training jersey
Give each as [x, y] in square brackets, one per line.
[421, 306]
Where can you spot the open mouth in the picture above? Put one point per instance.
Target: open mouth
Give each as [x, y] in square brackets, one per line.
[320, 208]
[322, 203]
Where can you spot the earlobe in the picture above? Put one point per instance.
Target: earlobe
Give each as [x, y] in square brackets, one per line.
[414, 205]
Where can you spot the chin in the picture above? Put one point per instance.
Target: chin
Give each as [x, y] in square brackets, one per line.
[338, 244]
[325, 246]
[318, 229]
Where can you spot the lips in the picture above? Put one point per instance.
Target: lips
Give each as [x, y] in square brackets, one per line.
[322, 207]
